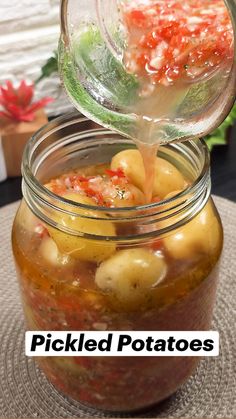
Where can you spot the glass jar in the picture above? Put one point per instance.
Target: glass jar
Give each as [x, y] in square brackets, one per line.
[64, 282]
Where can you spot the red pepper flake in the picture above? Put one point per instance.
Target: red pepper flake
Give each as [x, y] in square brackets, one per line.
[118, 172]
[81, 178]
[157, 245]
[136, 18]
[98, 197]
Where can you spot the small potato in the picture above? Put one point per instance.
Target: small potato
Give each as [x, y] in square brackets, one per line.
[51, 254]
[200, 235]
[167, 177]
[76, 245]
[130, 161]
[130, 272]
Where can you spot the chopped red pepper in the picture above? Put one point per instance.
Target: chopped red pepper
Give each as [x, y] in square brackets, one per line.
[103, 189]
[136, 18]
[119, 173]
[172, 40]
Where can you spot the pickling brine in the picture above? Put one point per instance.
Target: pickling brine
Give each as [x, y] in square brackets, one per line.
[91, 254]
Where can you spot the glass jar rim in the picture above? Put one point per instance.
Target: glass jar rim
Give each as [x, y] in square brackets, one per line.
[162, 210]
[73, 117]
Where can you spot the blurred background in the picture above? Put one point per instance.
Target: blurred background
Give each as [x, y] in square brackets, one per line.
[29, 32]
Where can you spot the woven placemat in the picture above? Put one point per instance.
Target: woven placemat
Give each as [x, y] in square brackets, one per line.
[25, 392]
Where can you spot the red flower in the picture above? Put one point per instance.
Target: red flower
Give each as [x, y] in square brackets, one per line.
[17, 103]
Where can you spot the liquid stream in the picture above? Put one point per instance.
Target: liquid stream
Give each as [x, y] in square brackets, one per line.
[172, 82]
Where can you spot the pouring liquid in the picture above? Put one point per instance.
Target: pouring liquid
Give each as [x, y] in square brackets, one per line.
[148, 153]
[172, 83]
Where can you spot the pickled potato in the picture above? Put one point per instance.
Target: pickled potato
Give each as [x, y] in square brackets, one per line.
[130, 161]
[128, 273]
[49, 250]
[167, 177]
[77, 246]
[200, 235]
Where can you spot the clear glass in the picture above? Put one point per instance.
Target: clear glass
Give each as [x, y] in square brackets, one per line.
[92, 49]
[180, 238]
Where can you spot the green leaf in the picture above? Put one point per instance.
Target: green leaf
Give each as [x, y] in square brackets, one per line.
[218, 136]
[49, 68]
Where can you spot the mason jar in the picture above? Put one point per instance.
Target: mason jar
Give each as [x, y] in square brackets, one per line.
[143, 268]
